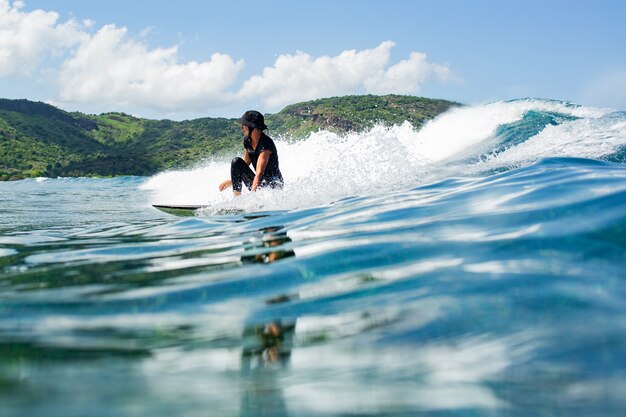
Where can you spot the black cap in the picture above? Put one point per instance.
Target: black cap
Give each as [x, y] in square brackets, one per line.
[254, 119]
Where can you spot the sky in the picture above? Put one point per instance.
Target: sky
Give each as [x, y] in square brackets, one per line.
[196, 58]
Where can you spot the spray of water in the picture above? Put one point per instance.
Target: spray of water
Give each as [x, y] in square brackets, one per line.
[326, 167]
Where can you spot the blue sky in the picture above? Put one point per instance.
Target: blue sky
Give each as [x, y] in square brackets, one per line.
[187, 59]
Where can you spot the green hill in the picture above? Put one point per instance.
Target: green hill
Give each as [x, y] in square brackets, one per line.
[37, 139]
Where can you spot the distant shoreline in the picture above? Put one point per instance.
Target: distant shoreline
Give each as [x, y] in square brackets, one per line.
[40, 140]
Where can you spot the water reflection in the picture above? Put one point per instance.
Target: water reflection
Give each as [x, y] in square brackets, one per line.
[270, 247]
[271, 342]
[267, 351]
[267, 346]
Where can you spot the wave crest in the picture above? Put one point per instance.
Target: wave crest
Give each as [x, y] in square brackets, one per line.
[472, 140]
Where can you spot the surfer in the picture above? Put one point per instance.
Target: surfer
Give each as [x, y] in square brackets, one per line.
[260, 151]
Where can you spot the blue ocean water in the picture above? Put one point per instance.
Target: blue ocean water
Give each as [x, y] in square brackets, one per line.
[475, 267]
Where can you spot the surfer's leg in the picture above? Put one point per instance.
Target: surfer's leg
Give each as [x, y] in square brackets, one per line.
[240, 172]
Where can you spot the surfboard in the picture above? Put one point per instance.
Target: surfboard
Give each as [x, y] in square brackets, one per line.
[179, 210]
[190, 210]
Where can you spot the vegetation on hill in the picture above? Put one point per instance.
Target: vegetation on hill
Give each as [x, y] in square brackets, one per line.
[356, 113]
[37, 139]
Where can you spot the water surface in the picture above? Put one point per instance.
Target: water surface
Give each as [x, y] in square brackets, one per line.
[477, 269]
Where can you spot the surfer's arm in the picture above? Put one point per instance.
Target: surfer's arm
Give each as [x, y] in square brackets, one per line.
[261, 163]
[246, 158]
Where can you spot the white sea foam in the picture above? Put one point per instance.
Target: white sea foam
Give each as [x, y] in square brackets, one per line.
[582, 138]
[463, 128]
[326, 167]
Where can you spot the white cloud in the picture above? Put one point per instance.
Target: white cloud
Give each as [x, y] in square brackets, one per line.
[111, 68]
[301, 77]
[27, 37]
[406, 77]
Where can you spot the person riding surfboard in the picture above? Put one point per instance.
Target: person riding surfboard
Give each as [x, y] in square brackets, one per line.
[260, 151]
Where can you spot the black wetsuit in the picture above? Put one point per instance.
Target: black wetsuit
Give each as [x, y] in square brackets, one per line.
[241, 172]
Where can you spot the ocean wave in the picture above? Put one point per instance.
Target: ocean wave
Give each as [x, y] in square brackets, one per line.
[472, 140]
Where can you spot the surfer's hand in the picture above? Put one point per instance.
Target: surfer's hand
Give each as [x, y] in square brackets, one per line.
[225, 184]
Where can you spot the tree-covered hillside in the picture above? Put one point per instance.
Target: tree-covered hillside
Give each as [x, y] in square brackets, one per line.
[37, 139]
